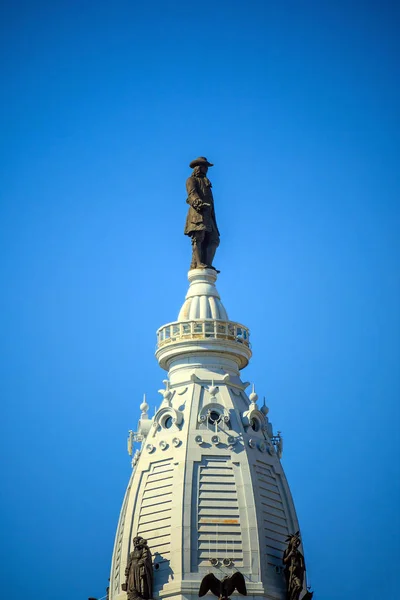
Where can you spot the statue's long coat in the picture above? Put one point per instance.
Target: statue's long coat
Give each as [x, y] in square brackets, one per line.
[199, 190]
[139, 573]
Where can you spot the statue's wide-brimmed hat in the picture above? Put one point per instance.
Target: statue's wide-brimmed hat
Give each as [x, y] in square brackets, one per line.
[200, 161]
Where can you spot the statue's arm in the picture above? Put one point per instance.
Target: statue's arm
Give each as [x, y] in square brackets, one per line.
[193, 197]
[146, 556]
[128, 566]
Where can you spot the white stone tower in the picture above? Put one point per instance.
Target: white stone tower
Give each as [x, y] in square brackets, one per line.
[207, 490]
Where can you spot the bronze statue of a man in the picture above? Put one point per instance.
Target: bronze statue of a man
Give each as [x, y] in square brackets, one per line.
[294, 567]
[139, 571]
[201, 224]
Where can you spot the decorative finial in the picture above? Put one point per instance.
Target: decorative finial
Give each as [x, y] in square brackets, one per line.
[253, 396]
[166, 393]
[264, 408]
[144, 407]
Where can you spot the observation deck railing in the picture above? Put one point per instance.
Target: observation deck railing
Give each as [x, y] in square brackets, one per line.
[202, 330]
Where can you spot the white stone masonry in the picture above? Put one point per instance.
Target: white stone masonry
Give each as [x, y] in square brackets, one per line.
[207, 490]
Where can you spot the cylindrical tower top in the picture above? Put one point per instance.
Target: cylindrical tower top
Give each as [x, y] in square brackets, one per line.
[203, 329]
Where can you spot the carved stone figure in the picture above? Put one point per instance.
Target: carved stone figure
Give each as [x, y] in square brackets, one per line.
[139, 571]
[224, 588]
[294, 567]
[201, 224]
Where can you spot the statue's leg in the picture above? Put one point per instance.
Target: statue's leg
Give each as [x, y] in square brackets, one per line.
[204, 248]
[211, 243]
[296, 588]
[197, 248]
[211, 250]
[194, 256]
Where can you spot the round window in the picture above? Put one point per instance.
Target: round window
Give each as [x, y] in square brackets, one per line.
[168, 422]
[213, 417]
[255, 424]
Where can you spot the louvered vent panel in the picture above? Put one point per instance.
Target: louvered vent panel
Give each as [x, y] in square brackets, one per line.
[273, 513]
[218, 514]
[117, 564]
[155, 511]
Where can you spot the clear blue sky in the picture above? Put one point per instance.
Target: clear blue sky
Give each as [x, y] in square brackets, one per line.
[103, 106]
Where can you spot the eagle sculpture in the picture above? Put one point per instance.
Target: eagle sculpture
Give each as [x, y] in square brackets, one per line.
[224, 588]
